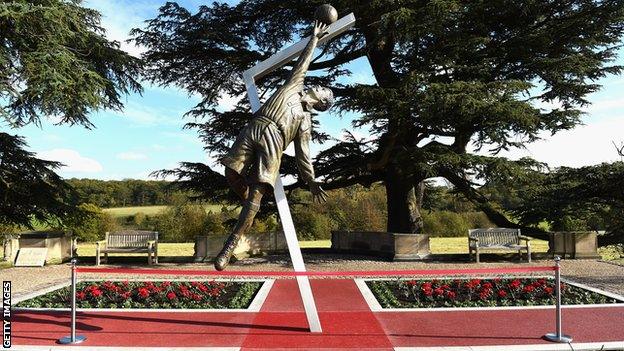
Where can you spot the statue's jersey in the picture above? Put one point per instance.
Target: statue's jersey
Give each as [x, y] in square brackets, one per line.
[257, 152]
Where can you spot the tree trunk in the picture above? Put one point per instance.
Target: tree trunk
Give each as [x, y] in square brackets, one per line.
[403, 209]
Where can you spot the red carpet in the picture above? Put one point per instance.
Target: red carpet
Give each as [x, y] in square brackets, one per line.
[346, 319]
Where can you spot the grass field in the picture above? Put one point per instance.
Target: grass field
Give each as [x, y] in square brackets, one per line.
[438, 246]
[118, 212]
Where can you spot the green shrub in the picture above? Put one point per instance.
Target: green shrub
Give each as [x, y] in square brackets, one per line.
[451, 224]
[90, 223]
[312, 225]
[139, 219]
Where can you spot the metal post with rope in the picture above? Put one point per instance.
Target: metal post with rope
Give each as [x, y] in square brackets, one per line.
[73, 338]
[558, 336]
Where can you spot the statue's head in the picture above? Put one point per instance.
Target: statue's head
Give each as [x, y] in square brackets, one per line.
[319, 98]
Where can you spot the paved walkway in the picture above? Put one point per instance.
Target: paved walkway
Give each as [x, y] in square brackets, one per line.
[347, 322]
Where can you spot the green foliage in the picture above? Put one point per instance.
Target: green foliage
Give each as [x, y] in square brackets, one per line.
[29, 188]
[457, 71]
[89, 223]
[452, 224]
[586, 198]
[54, 61]
[139, 219]
[127, 192]
[402, 293]
[181, 223]
[173, 295]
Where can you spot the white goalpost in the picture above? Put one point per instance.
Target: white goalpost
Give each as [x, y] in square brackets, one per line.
[250, 76]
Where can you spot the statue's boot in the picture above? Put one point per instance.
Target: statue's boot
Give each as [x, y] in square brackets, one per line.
[223, 259]
[245, 220]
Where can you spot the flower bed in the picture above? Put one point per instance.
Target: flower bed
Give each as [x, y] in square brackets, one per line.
[479, 293]
[176, 295]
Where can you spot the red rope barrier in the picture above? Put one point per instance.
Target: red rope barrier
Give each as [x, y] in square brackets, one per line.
[390, 273]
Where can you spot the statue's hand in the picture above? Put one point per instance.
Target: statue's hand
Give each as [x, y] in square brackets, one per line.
[318, 194]
[320, 29]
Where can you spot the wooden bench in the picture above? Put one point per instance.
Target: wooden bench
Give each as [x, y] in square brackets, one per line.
[498, 239]
[128, 241]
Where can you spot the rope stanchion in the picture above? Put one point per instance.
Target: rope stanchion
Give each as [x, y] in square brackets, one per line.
[73, 338]
[391, 273]
[558, 336]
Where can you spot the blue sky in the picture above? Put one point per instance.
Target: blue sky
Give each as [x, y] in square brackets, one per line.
[147, 135]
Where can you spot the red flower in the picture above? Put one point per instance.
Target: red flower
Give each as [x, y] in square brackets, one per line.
[96, 292]
[215, 292]
[438, 291]
[475, 282]
[528, 289]
[411, 283]
[144, 293]
[165, 285]
[171, 295]
[484, 294]
[515, 284]
[426, 285]
[196, 297]
[202, 287]
[125, 295]
[81, 295]
[451, 295]
[428, 292]
[548, 290]
[502, 293]
[487, 286]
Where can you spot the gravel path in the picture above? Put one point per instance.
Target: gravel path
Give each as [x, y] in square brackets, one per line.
[602, 275]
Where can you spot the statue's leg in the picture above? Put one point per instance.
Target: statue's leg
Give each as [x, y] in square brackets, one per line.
[245, 220]
[237, 183]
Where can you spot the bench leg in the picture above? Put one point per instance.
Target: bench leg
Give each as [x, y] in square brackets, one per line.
[156, 256]
[520, 254]
[149, 257]
[97, 256]
[529, 253]
[469, 254]
[477, 254]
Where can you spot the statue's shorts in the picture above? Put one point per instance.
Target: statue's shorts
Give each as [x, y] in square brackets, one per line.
[257, 152]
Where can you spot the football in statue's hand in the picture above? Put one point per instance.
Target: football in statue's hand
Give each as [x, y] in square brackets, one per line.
[326, 14]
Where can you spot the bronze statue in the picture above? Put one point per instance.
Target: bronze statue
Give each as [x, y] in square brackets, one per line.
[252, 164]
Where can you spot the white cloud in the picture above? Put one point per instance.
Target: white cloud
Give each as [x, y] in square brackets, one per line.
[129, 155]
[147, 116]
[582, 146]
[72, 160]
[119, 17]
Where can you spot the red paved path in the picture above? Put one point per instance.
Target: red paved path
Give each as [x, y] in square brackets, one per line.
[346, 319]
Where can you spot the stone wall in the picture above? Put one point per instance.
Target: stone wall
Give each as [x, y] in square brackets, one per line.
[208, 247]
[394, 246]
[59, 244]
[580, 245]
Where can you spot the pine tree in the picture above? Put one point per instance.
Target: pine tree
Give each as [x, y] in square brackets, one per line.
[448, 73]
[54, 62]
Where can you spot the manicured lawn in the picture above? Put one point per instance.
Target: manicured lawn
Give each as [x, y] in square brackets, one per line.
[460, 245]
[120, 212]
[164, 249]
[438, 246]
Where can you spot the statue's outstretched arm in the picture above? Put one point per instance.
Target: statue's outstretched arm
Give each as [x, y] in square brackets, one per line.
[301, 68]
[304, 161]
